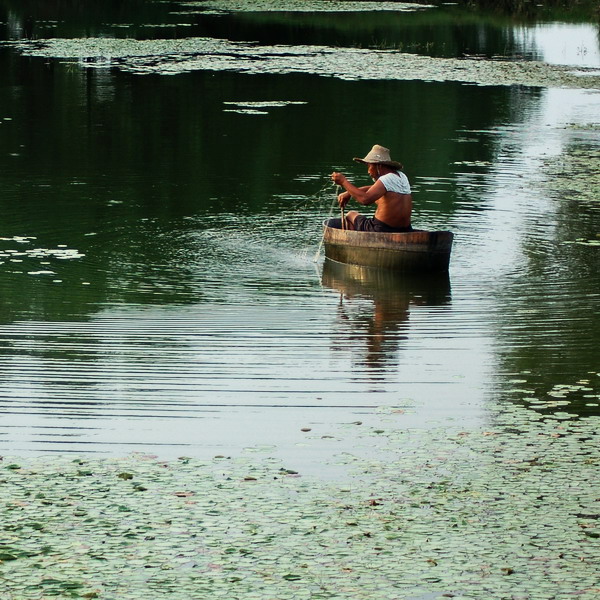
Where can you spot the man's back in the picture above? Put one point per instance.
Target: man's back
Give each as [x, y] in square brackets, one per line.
[394, 209]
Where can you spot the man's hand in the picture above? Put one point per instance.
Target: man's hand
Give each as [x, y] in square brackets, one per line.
[343, 199]
[338, 178]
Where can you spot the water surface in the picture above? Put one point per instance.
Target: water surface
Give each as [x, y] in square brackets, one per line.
[160, 279]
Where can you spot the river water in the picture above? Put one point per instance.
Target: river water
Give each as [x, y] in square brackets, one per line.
[162, 287]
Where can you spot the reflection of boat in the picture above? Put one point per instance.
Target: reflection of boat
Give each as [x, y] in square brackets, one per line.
[411, 252]
[375, 305]
[387, 286]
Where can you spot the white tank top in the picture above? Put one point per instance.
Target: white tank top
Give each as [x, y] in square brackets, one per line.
[396, 182]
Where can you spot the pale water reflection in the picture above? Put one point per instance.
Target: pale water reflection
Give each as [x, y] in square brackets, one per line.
[560, 43]
[215, 378]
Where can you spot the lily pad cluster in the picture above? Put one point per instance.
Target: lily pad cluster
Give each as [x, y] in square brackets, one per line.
[506, 510]
[258, 108]
[172, 56]
[576, 176]
[561, 397]
[310, 6]
[35, 261]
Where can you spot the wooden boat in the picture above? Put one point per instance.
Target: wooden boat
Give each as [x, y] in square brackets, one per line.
[411, 252]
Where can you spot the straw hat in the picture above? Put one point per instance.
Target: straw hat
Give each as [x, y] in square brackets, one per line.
[379, 156]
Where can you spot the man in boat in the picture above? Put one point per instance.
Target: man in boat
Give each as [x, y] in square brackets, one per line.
[390, 192]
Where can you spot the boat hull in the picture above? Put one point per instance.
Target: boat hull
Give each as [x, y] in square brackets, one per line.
[410, 252]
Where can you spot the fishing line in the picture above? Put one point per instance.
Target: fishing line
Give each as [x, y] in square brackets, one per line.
[300, 212]
[318, 253]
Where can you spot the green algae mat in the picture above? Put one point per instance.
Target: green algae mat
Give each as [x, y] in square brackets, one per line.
[174, 56]
[507, 510]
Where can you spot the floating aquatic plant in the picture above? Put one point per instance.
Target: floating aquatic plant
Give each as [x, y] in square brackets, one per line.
[577, 172]
[310, 6]
[170, 57]
[576, 175]
[42, 253]
[506, 510]
[265, 104]
[257, 108]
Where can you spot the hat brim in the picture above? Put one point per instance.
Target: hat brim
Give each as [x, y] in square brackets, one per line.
[387, 163]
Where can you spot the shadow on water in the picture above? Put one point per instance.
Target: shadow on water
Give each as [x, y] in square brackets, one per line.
[374, 307]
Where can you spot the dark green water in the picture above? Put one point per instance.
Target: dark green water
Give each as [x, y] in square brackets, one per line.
[158, 283]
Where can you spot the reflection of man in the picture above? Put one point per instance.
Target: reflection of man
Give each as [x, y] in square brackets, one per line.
[375, 331]
[390, 192]
[383, 327]
[373, 312]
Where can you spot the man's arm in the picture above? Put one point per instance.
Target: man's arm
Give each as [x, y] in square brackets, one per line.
[364, 195]
[344, 197]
